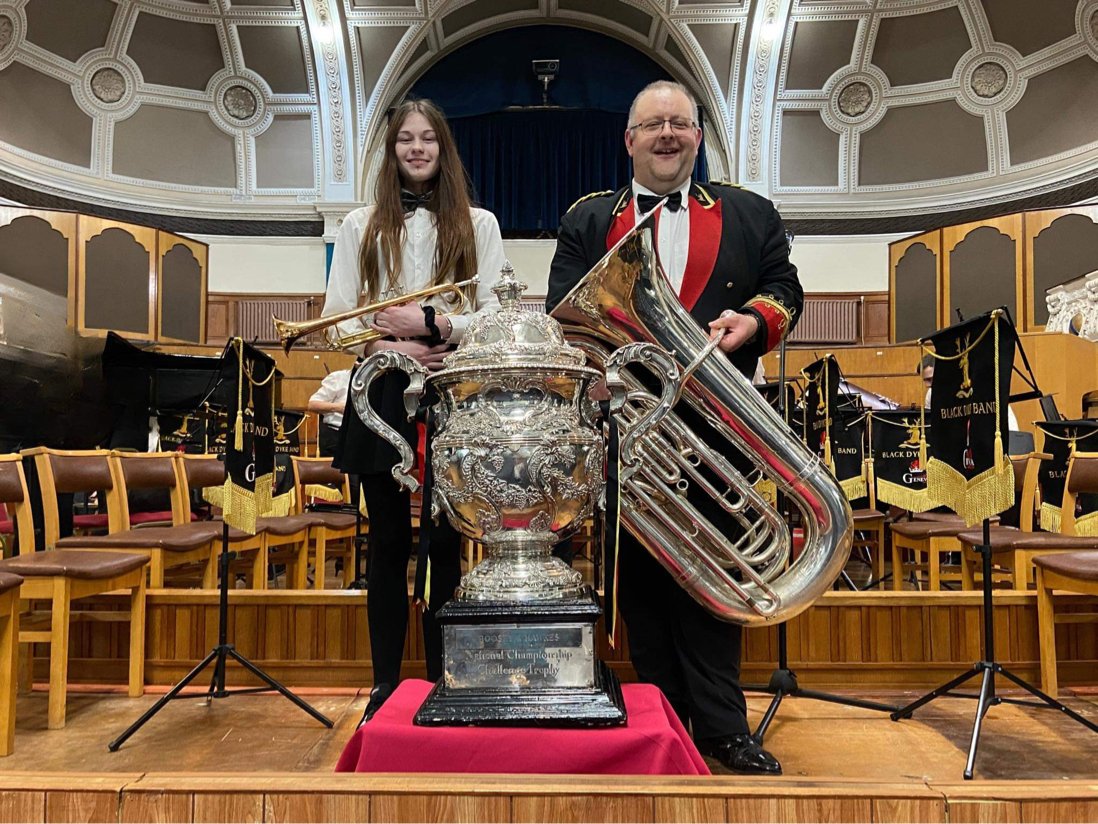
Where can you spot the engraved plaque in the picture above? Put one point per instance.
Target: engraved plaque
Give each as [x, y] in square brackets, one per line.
[522, 656]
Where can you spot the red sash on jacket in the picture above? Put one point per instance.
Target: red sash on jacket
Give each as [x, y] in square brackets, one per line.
[705, 241]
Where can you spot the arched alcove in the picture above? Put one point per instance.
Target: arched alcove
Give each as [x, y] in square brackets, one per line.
[916, 290]
[531, 152]
[1066, 249]
[34, 251]
[982, 272]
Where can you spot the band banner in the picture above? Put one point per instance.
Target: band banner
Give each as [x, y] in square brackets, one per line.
[968, 470]
[287, 443]
[185, 432]
[848, 451]
[821, 399]
[1062, 439]
[896, 468]
[249, 456]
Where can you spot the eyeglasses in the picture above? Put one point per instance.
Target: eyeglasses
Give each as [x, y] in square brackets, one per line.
[678, 125]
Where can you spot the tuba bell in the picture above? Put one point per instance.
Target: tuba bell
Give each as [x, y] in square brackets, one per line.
[627, 318]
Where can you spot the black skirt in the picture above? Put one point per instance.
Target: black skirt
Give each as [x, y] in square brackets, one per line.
[360, 451]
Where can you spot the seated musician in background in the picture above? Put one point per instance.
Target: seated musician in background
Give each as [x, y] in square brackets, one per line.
[725, 252]
[329, 401]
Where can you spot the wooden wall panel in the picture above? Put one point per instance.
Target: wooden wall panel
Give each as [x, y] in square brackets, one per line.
[582, 807]
[908, 809]
[1036, 285]
[1075, 811]
[76, 806]
[932, 243]
[62, 222]
[1009, 226]
[210, 808]
[690, 810]
[23, 805]
[316, 808]
[88, 230]
[166, 243]
[873, 639]
[429, 807]
[777, 810]
[984, 812]
[157, 808]
[310, 797]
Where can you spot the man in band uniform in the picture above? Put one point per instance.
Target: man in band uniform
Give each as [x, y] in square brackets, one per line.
[725, 252]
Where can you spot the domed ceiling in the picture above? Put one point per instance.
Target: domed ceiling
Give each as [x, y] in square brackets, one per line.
[270, 109]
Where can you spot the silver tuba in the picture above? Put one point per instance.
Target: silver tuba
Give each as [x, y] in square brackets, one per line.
[624, 313]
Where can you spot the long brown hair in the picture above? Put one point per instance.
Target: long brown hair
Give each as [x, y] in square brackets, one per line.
[456, 250]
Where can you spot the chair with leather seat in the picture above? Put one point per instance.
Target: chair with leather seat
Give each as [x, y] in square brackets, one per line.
[9, 657]
[1074, 572]
[329, 526]
[165, 547]
[61, 576]
[932, 538]
[1016, 550]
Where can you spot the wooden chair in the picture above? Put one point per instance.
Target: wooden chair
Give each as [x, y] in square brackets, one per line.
[929, 538]
[1016, 550]
[328, 527]
[9, 658]
[62, 576]
[1071, 572]
[205, 471]
[165, 547]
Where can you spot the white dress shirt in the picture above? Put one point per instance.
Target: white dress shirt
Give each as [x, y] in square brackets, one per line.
[333, 389]
[673, 234]
[417, 267]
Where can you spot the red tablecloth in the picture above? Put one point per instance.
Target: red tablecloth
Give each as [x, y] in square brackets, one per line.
[653, 742]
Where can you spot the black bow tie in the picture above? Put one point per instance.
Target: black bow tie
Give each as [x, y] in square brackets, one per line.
[646, 203]
[410, 201]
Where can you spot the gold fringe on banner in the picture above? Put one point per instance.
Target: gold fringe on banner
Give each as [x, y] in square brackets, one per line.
[325, 493]
[767, 490]
[1087, 525]
[1050, 517]
[913, 500]
[282, 504]
[854, 487]
[987, 494]
[214, 496]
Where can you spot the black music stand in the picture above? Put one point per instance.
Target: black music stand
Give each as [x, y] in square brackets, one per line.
[987, 667]
[223, 650]
[783, 681]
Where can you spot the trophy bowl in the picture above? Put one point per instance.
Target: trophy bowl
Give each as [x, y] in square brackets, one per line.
[518, 465]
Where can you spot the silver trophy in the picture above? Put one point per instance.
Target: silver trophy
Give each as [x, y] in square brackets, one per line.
[518, 463]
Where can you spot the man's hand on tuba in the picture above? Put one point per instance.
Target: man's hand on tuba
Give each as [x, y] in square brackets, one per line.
[738, 329]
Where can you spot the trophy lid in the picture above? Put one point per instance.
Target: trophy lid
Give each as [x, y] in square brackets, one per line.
[513, 335]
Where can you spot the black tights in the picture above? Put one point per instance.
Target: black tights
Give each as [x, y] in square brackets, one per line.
[389, 508]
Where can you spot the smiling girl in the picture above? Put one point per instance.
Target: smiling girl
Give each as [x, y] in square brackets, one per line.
[421, 231]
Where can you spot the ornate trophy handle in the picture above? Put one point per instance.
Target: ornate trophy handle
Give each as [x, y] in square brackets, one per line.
[376, 365]
[663, 365]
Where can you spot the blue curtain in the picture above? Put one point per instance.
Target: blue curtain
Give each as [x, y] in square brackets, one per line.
[529, 163]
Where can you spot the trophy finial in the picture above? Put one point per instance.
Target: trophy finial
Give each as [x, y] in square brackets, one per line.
[508, 290]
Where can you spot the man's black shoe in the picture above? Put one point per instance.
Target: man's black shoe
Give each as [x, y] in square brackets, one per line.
[740, 753]
[378, 696]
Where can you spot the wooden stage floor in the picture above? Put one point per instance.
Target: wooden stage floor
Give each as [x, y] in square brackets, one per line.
[241, 759]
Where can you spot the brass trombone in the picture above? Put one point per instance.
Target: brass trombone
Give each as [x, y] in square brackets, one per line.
[290, 331]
